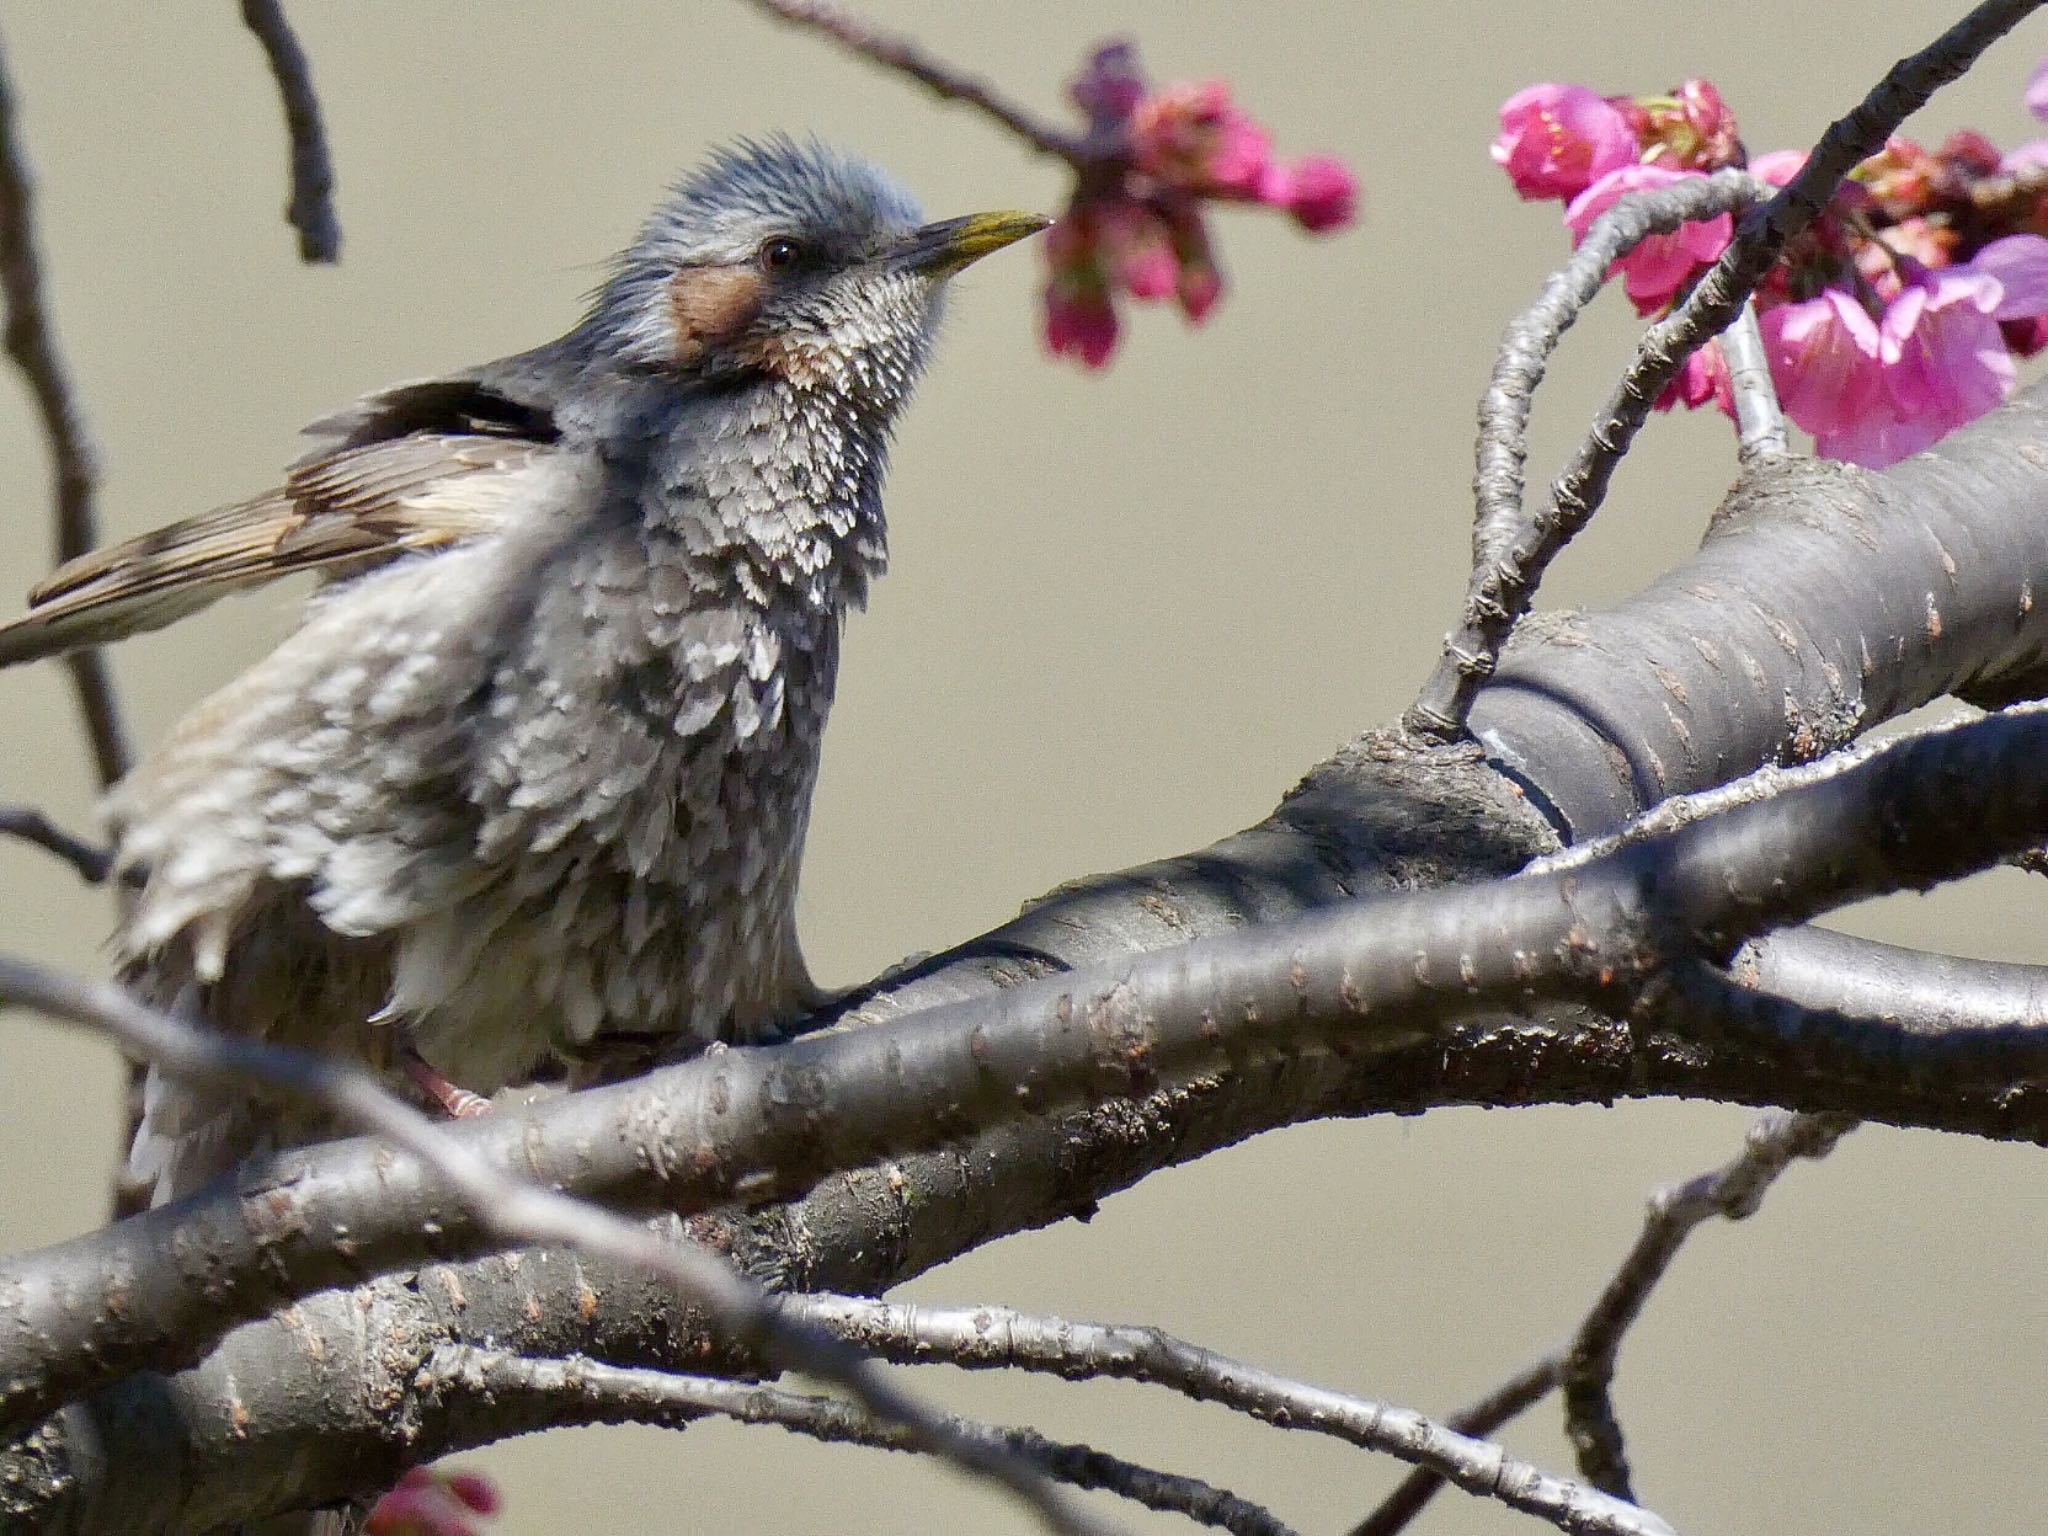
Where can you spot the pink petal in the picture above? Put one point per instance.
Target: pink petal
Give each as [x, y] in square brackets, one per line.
[1080, 325]
[1779, 166]
[2036, 95]
[1556, 140]
[1824, 359]
[1945, 360]
[2032, 155]
[1657, 268]
[2020, 264]
[1877, 440]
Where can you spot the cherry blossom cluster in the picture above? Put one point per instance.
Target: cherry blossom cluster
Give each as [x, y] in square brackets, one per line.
[1892, 321]
[430, 1502]
[1135, 224]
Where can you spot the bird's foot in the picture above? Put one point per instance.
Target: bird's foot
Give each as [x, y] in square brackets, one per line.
[459, 1103]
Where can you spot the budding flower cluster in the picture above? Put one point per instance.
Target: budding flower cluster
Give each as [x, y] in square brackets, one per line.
[1135, 226]
[1892, 320]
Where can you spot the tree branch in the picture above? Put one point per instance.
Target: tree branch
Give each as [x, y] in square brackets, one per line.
[513, 1209]
[311, 209]
[994, 1338]
[1759, 419]
[31, 343]
[1510, 552]
[1585, 1365]
[1502, 1405]
[1733, 1192]
[948, 84]
[549, 1392]
[1361, 984]
[89, 861]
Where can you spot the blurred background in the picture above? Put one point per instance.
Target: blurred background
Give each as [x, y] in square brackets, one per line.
[1125, 613]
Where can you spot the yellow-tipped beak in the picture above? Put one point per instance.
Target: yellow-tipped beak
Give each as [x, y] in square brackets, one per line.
[941, 249]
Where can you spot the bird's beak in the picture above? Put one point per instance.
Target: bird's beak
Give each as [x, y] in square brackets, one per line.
[941, 249]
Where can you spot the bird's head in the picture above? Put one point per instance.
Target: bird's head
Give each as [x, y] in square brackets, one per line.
[788, 261]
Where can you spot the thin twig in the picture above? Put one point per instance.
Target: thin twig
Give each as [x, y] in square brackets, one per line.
[1502, 446]
[311, 209]
[617, 1394]
[1734, 1191]
[32, 344]
[1502, 1405]
[906, 57]
[1584, 1366]
[1509, 552]
[89, 861]
[986, 1338]
[1759, 420]
[526, 1213]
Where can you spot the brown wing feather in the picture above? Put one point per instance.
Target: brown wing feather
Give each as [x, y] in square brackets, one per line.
[355, 506]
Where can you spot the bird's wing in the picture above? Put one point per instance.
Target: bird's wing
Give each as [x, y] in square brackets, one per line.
[419, 467]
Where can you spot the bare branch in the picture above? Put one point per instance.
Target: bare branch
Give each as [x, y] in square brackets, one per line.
[1510, 554]
[89, 861]
[32, 345]
[1734, 1192]
[311, 209]
[1913, 991]
[987, 1338]
[525, 1212]
[1530, 339]
[1759, 420]
[1371, 982]
[1585, 1365]
[1502, 1405]
[600, 1393]
[907, 58]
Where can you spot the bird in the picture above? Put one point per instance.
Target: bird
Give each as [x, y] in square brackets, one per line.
[528, 784]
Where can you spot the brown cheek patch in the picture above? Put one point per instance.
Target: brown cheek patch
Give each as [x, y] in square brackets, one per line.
[712, 305]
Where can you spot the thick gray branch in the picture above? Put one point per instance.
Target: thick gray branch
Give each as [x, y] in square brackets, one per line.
[1352, 983]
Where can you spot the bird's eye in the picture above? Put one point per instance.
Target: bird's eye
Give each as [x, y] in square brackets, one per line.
[779, 254]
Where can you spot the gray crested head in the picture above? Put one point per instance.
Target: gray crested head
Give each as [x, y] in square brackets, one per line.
[793, 263]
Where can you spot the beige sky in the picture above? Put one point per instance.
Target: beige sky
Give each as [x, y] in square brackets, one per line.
[1125, 613]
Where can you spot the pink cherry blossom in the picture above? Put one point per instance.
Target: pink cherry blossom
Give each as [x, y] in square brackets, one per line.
[1556, 140]
[2020, 265]
[1703, 380]
[1195, 137]
[1139, 249]
[1690, 128]
[1874, 392]
[1824, 359]
[1656, 269]
[1945, 361]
